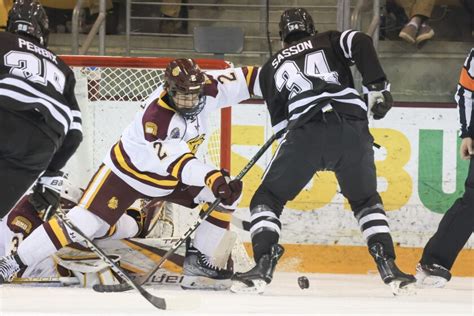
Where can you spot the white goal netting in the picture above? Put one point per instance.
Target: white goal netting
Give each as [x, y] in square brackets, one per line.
[109, 97]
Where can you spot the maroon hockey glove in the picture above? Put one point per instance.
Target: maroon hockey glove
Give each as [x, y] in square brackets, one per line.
[228, 191]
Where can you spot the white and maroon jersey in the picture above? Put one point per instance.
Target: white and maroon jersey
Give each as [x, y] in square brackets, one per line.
[157, 150]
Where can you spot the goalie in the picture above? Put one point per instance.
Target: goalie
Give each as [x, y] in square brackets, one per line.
[155, 158]
[74, 264]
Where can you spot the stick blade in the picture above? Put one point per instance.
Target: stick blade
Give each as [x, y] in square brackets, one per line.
[156, 301]
[111, 288]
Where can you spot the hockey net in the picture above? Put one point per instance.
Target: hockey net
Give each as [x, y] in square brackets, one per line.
[110, 91]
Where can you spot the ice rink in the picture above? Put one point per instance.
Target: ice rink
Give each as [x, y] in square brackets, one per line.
[328, 294]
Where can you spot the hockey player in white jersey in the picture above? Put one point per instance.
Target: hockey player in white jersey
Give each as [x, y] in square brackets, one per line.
[155, 158]
[63, 268]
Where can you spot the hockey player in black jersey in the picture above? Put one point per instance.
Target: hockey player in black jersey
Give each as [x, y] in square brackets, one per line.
[323, 121]
[40, 120]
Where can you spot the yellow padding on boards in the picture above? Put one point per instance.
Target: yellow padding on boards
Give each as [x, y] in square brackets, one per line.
[356, 259]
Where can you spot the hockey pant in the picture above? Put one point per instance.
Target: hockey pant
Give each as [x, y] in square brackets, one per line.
[455, 228]
[25, 152]
[328, 142]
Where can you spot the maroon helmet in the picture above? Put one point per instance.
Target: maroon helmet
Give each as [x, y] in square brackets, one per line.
[185, 82]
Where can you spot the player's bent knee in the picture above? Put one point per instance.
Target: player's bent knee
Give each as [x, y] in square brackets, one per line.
[263, 196]
[91, 225]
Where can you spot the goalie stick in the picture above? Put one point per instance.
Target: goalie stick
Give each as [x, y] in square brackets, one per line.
[158, 302]
[142, 280]
[46, 280]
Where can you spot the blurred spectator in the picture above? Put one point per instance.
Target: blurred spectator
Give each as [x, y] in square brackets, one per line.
[5, 6]
[451, 25]
[60, 15]
[169, 12]
[417, 29]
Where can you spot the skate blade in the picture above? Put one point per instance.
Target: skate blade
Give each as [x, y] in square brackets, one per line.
[257, 287]
[203, 283]
[400, 288]
[431, 281]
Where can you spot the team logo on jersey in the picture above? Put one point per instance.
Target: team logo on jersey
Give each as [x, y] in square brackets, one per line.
[175, 133]
[113, 203]
[23, 223]
[195, 142]
[175, 72]
[151, 128]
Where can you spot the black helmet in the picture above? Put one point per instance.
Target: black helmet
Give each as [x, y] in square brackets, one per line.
[295, 20]
[27, 17]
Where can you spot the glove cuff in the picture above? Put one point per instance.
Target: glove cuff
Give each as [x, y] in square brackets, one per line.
[211, 177]
[378, 86]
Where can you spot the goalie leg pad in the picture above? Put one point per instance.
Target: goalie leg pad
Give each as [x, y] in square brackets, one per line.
[103, 277]
[222, 252]
[89, 269]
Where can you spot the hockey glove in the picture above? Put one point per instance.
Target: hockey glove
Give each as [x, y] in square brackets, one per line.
[47, 191]
[379, 99]
[222, 187]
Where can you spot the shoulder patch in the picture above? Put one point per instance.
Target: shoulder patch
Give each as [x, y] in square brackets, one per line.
[210, 86]
[175, 133]
[151, 128]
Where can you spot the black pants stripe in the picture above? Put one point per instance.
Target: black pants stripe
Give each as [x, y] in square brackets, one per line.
[455, 228]
[25, 152]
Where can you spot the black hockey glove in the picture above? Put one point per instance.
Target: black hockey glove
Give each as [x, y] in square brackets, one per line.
[47, 191]
[222, 187]
[378, 99]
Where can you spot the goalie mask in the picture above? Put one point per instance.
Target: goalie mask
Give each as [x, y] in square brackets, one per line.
[295, 20]
[184, 81]
[27, 17]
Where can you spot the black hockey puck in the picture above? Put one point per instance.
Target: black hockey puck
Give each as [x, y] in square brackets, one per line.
[303, 282]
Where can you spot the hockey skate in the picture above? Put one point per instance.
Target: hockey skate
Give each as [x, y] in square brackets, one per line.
[9, 267]
[200, 273]
[431, 275]
[400, 283]
[256, 279]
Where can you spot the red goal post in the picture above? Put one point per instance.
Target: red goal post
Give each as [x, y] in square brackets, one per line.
[117, 80]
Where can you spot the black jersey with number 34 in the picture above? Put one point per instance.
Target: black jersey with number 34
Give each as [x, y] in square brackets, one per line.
[32, 77]
[298, 81]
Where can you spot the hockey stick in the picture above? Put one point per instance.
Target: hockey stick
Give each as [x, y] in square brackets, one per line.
[142, 280]
[46, 280]
[154, 300]
[240, 223]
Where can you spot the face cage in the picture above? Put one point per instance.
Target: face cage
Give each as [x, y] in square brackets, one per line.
[189, 112]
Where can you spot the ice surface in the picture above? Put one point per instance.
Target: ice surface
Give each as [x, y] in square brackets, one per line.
[328, 294]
